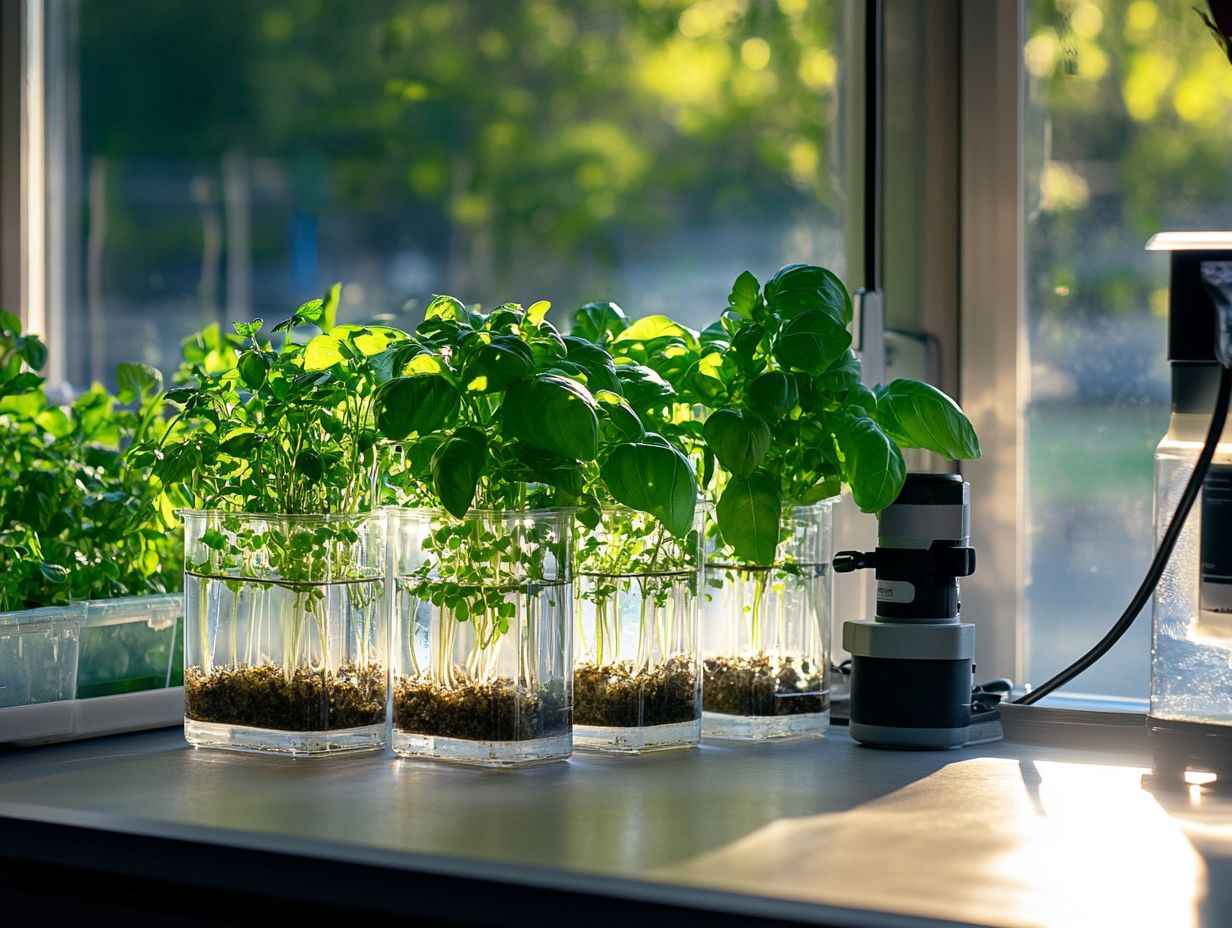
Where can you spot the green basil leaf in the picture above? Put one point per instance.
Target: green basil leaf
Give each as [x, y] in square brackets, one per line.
[797, 288]
[811, 342]
[346, 342]
[555, 414]
[253, 367]
[551, 469]
[214, 539]
[546, 344]
[22, 383]
[309, 465]
[748, 514]
[419, 455]
[642, 387]
[239, 443]
[329, 307]
[918, 415]
[745, 295]
[654, 479]
[456, 465]
[177, 463]
[871, 463]
[537, 312]
[419, 403]
[831, 486]
[34, 352]
[773, 394]
[319, 312]
[589, 512]
[841, 376]
[739, 440]
[308, 312]
[620, 422]
[860, 397]
[708, 377]
[136, 380]
[249, 329]
[714, 336]
[595, 363]
[450, 309]
[599, 322]
[707, 467]
[497, 364]
[744, 343]
[392, 361]
[649, 328]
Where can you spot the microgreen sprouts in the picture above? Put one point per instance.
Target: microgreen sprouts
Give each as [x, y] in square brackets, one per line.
[273, 454]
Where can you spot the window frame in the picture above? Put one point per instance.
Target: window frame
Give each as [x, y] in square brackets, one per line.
[955, 267]
[22, 161]
[992, 344]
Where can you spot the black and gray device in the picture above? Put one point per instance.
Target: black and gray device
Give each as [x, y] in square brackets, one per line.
[912, 666]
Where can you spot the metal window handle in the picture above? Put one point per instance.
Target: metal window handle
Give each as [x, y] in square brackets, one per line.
[869, 331]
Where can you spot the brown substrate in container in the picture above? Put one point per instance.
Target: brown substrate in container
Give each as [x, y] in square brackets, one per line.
[758, 686]
[263, 697]
[613, 696]
[499, 710]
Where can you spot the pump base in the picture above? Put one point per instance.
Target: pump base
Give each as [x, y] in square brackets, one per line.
[1182, 746]
[909, 739]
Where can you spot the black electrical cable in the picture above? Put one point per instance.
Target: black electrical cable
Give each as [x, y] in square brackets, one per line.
[1166, 544]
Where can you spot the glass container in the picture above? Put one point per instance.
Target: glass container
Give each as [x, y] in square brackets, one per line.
[38, 654]
[1191, 669]
[482, 613]
[38, 671]
[285, 631]
[766, 634]
[131, 644]
[636, 677]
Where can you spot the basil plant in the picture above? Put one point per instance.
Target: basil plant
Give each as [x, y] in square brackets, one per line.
[768, 400]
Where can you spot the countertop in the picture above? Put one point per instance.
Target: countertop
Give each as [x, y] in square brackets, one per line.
[821, 832]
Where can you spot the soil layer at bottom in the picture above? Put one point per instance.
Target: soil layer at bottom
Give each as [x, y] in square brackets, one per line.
[759, 686]
[614, 696]
[498, 710]
[263, 697]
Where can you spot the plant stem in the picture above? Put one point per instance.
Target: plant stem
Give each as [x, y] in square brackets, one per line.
[203, 622]
[760, 578]
[235, 622]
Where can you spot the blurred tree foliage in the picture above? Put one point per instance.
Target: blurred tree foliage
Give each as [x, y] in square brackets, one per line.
[1129, 122]
[548, 119]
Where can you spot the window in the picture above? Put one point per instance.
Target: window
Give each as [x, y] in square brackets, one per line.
[647, 151]
[216, 161]
[1128, 125]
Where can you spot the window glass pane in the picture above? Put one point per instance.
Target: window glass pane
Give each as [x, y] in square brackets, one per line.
[1129, 125]
[232, 158]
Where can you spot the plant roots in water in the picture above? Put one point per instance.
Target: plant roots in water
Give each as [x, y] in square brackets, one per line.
[759, 686]
[497, 710]
[263, 697]
[614, 696]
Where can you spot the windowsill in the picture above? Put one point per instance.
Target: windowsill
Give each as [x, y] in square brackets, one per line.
[1093, 702]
